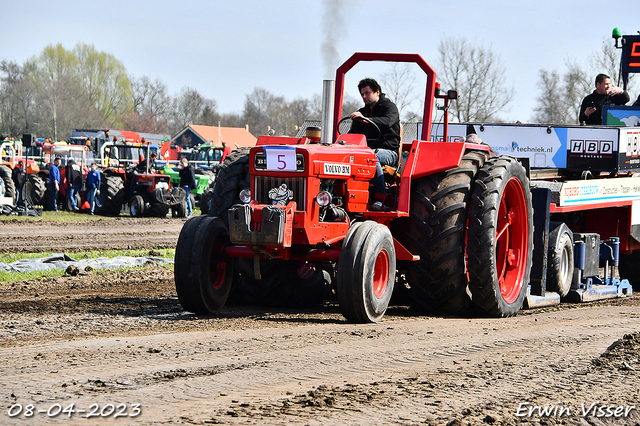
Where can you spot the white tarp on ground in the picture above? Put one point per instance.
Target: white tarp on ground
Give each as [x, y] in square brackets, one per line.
[62, 261]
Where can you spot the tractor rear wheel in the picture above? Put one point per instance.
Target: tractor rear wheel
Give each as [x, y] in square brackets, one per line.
[232, 177]
[9, 186]
[366, 272]
[111, 197]
[560, 259]
[136, 206]
[500, 238]
[437, 232]
[38, 189]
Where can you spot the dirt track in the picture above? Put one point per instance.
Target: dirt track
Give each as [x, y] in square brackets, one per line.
[122, 338]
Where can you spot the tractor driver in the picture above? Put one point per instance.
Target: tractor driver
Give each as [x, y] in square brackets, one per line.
[384, 113]
[142, 165]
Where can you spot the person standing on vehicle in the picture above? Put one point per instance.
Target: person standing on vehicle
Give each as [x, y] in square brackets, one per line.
[54, 185]
[226, 150]
[19, 177]
[605, 94]
[187, 182]
[384, 113]
[93, 183]
[73, 174]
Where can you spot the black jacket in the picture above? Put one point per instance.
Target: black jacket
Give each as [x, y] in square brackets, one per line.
[19, 177]
[73, 174]
[597, 100]
[188, 177]
[385, 114]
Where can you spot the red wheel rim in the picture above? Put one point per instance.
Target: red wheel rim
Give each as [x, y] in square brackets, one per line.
[381, 274]
[512, 240]
[217, 264]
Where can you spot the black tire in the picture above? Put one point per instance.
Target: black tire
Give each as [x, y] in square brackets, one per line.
[232, 177]
[38, 189]
[560, 259]
[437, 232]
[111, 197]
[628, 268]
[9, 186]
[205, 201]
[67, 201]
[136, 206]
[213, 270]
[366, 273]
[500, 238]
[184, 266]
[179, 210]
[283, 284]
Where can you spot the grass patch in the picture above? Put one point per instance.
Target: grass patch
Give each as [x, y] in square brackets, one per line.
[91, 254]
[12, 277]
[64, 216]
[9, 277]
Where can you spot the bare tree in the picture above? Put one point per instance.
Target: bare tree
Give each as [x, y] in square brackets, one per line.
[477, 75]
[399, 85]
[190, 107]
[262, 110]
[550, 108]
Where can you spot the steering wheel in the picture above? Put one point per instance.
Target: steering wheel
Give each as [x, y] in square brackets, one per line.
[366, 120]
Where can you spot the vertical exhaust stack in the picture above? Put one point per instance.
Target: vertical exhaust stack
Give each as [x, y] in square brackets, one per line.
[328, 90]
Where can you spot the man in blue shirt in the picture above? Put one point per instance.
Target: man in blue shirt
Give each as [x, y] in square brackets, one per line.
[93, 183]
[54, 185]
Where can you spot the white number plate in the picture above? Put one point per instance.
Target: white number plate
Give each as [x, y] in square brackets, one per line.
[337, 169]
[280, 158]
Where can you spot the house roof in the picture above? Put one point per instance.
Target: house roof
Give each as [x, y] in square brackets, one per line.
[235, 137]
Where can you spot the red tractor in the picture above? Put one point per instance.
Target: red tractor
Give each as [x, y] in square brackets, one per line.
[456, 228]
[148, 193]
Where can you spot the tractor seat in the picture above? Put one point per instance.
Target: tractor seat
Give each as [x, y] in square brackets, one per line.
[391, 170]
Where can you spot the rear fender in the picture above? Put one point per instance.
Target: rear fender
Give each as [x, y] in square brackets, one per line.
[428, 158]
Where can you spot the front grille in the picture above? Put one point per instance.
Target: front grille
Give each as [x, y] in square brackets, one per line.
[264, 184]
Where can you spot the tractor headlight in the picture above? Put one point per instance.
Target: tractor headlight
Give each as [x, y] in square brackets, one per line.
[245, 196]
[162, 185]
[323, 198]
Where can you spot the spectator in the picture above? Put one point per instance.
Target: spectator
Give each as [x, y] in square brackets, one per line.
[19, 177]
[54, 185]
[226, 150]
[73, 174]
[605, 94]
[384, 113]
[93, 184]
[187, 182]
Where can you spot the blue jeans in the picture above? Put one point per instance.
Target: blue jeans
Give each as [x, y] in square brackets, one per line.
[53, 198]
[73, 191]
[188, 200]
[385, 157]
[91, 196]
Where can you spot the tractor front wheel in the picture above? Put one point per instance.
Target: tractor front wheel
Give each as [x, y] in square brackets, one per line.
[500, 238]
[136, 206]
[366, 272]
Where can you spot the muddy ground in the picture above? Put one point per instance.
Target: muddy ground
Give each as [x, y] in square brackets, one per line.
[118, 345]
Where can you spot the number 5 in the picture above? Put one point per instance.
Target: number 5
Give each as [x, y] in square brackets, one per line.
[281, 160]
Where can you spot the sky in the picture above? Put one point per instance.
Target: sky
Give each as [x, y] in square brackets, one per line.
[225, 49]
